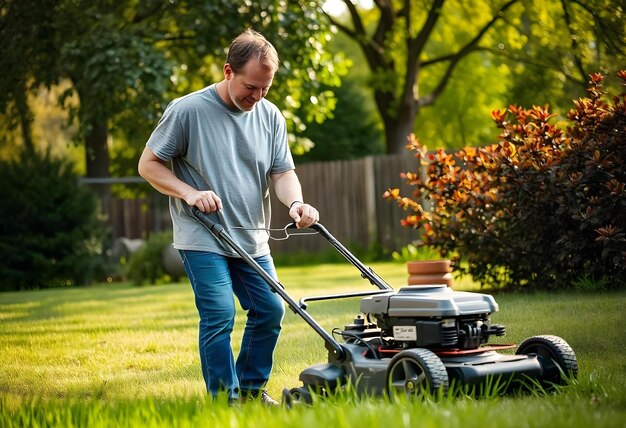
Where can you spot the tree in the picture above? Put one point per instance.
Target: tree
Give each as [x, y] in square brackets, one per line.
[349, 134]
[413, 48]
[23, 56]
[124, 58]
[95, 45]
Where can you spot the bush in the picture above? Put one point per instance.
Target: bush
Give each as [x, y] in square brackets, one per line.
[50, 234]
[145, 265]
[543, 208]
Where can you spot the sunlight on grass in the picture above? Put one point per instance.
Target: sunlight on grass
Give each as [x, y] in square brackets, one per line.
[100, 341]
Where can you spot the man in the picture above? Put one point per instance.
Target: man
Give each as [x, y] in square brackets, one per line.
[227, 143]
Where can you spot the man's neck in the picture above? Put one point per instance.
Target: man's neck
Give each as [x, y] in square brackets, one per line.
[222, 92]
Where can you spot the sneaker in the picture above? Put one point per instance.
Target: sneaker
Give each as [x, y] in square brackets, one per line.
[267, 400]
[259, 396]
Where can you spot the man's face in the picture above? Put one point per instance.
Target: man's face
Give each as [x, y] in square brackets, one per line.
[249, 86]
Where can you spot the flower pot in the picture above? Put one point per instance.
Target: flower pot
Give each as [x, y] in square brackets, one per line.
[425, 267]
[430, 272]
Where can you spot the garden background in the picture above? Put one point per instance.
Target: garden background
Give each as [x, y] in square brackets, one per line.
[513, 114]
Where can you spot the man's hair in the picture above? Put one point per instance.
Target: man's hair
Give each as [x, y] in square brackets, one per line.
[251, 45]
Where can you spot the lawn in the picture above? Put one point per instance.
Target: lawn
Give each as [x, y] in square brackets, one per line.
[118, 355]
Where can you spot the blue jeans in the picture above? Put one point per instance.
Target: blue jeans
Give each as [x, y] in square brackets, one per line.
[214, 279]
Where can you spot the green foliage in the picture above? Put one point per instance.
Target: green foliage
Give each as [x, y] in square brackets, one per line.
[540, 209]
[588, 283]
[126, 59]
[146, 264]
[460, 116]
[50, 234]
[559, 45]
[349, 134]
[117, 76]
[412, 252]
[444, 53]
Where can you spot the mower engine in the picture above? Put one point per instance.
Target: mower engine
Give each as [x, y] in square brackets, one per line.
[434, 317]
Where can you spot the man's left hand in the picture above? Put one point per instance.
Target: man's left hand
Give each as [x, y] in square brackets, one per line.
[304, 215]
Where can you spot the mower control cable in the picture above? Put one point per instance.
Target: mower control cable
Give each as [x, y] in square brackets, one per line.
[284, 231]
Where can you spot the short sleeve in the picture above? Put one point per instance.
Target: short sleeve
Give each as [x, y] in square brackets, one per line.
[283, 161]
[168, 140]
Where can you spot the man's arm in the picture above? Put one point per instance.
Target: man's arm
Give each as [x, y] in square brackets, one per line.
[156, 172]
[289, 191]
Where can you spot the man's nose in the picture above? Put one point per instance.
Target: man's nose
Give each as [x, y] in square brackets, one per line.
[257, 94]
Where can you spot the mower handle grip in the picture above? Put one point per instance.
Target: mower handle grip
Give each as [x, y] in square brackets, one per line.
[318, 227]
[204, 218]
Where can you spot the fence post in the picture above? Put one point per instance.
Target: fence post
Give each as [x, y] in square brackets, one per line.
[370, 200]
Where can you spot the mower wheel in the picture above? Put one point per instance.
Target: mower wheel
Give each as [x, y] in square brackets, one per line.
[415, 372]
[558, 360]
[297, 396]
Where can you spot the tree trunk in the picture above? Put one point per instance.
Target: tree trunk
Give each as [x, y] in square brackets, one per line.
[97, 150]
[398, 128]
[97, 162]
[26, 119]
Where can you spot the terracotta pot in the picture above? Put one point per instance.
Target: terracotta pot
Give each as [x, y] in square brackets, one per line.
[431, 279]
[425, 267]
[430, 272]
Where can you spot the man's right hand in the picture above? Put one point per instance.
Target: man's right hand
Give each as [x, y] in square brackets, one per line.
[205, 200]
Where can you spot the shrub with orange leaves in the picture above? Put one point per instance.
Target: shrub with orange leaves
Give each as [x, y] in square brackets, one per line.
[542, 208]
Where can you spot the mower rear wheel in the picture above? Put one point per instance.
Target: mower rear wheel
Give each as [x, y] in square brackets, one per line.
[415, 372]
[558, 360]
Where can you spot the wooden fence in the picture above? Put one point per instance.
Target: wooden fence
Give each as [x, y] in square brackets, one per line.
[348, 195]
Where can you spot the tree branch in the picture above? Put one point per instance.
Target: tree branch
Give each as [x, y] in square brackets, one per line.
[356, 18]
[349, 31]
[449, 57]
[464, 51]
[574, 43]
[530, 61]
[385, 23]
[373, 49]
[414, 47]
[612, 37]
[406, 13]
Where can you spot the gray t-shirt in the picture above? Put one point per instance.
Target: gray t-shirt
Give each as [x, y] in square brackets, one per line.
[228, 151]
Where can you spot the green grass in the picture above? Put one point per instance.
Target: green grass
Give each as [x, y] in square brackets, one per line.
[118, 355]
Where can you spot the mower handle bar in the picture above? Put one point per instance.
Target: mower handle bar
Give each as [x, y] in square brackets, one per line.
[222, 235]
[366, 272]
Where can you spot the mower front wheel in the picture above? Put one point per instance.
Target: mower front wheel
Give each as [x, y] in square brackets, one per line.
[558, 360]
[297, 396]
[416, 372]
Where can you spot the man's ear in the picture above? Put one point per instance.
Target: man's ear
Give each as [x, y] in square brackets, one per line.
[228, 71]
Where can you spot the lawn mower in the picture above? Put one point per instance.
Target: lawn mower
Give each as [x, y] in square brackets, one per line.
[414, 341]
